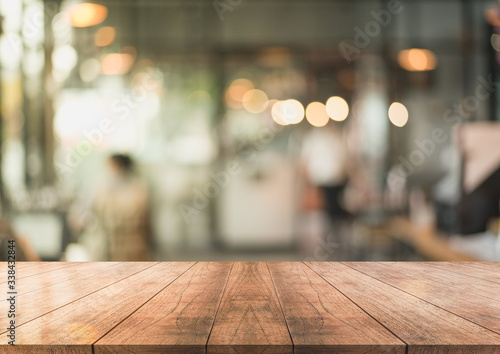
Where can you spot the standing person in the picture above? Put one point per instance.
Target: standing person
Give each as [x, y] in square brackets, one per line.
[325, 160]
[121, 209]
[325, 163]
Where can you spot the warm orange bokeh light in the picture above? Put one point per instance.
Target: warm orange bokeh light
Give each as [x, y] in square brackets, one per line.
[417, 59]
[235, 92]
[316, 114]
[105, 36]
[255, 101]
[117, 63]
[87, 14]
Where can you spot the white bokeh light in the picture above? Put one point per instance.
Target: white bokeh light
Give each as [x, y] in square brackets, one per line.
[292, 111]
[337, 108]
[398, 114]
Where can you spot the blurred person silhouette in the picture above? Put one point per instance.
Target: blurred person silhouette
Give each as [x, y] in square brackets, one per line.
[121, 208]
[325, 169]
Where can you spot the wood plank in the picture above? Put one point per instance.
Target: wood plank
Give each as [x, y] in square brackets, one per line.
[176, 320]
[51, 278]
[465, 282]
[433, 307]
[425, 328]
[29, 264]
[250, 319]
[322, 320]
[36, 349]
[458, 267]
[43, 267]
[81, 323]
[23, 264]
[42, 301]
[478, 309]
[488, 265]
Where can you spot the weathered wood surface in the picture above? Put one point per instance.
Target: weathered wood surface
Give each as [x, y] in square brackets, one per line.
[254, 307]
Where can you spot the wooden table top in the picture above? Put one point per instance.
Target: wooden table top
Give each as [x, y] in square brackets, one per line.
[282, 307]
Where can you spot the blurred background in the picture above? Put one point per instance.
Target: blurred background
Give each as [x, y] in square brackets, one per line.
[250, 129]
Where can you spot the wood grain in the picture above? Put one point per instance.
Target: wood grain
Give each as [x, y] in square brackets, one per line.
[178, 319]
[458, 267]
[425, 328]
[250, 319]
[23, 264]
[487, 265]
[322, 320]
[60, 275]
[474, 285]
[43, 267]
[44, 300]
[480, 310]
[43, 349]
[81, 323]
[249, 307]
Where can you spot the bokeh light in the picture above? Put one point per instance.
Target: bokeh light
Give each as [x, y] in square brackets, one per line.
[398, 114]
[117, 63]
[87, 14]
[276, 113]
[64, 58]
[337, 108]
[8, 57]
[236, 91]
[105, 36]
[292, 111]
[316, 114]
[417, 59]
[90, 69]
[255, 101]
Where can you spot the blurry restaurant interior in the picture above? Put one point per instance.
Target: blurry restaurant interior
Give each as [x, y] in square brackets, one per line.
[327, 130]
